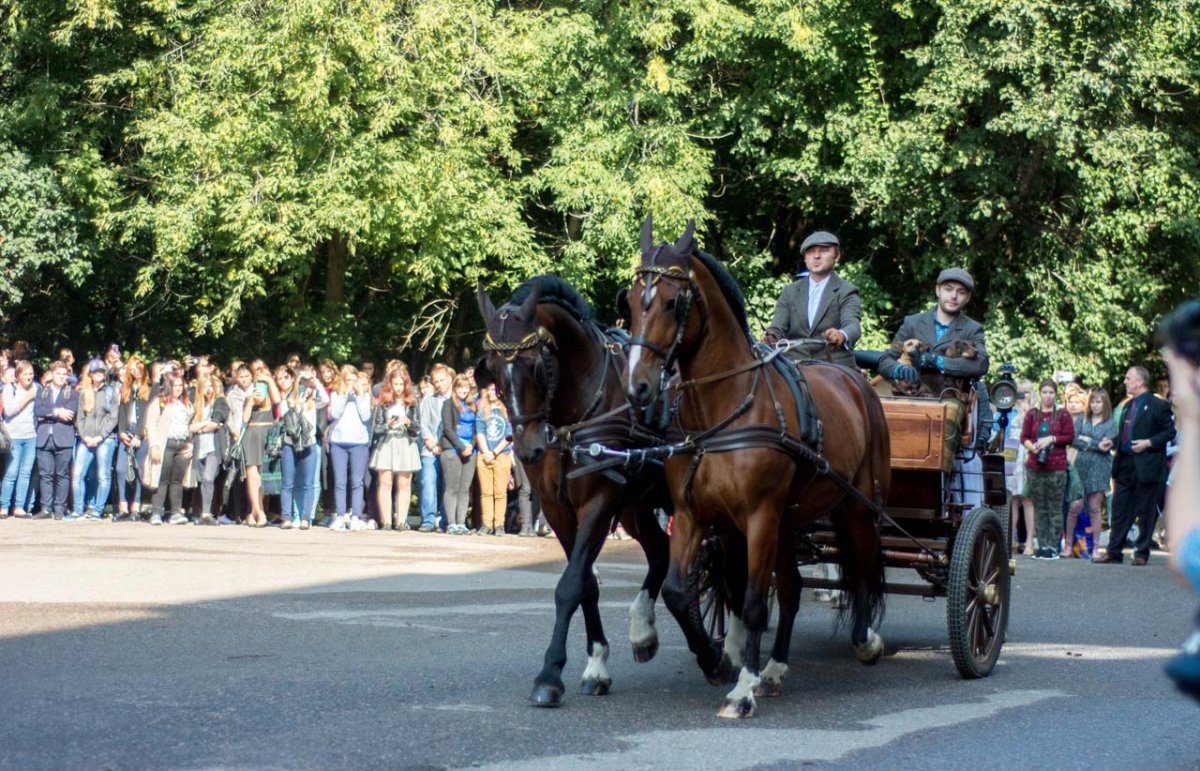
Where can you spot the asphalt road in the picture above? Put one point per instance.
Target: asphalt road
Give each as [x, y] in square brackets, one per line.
[127, 646]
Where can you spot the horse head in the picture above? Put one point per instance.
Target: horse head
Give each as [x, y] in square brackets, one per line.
[521, 359]
[661, 322]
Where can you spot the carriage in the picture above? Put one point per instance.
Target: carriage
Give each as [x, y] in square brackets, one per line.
[949, 526]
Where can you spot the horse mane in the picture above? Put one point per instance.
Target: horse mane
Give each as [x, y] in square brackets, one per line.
[552, 289]
[729, 287]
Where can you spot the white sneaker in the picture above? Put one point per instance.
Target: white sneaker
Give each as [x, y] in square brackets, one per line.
[224, 520]
[155, 519]
[177, 519]
[287, 525]
[339, 524]
[372, 524]
[357, 524]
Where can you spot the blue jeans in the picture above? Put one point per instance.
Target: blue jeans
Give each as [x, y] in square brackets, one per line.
[349, 463]
[314, 485]
[84, 456]
[16, 476]
[296, 493]
[430, 496]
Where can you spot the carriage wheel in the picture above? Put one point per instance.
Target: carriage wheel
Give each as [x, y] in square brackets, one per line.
[978, 593]
[704, 579]
[705, 582]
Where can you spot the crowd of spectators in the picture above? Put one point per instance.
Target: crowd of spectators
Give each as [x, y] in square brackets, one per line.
[1084, 475]
[306, 444]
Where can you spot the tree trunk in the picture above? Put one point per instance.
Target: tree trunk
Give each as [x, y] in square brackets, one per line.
[337, 254]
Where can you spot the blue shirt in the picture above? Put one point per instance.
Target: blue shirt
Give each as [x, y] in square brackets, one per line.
[495, 428]
[466, 426]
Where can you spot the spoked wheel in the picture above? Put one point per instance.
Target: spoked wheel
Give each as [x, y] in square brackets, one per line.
[707, 587]
[978, 593]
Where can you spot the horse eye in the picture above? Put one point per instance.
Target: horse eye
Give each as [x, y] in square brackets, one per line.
[671, 304]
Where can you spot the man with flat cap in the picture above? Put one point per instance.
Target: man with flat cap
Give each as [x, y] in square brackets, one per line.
[822, 309]
[939, 327]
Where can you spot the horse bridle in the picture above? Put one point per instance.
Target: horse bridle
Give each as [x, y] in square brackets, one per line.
[651, 274]
[541, 340]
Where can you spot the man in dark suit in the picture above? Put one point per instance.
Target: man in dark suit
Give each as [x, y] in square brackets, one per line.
[939, 327]
[54, 411]
[1144, 427]
[822, 308]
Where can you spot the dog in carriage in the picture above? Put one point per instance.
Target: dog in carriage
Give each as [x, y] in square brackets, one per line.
[931, 383]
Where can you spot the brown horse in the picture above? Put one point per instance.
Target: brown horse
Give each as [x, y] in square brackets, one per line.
[560, 376]
[745, 474]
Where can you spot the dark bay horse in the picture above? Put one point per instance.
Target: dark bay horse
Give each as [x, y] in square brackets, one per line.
[746, 473]
[559, 374]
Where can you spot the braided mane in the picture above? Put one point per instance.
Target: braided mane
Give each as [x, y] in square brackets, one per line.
[553, 289]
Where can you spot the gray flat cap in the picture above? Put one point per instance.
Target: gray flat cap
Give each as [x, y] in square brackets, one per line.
[959, 275]
[820, 238]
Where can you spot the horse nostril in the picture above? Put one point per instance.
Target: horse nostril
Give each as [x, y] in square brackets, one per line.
[641, 394]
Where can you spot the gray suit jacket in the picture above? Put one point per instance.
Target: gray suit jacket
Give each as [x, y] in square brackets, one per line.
[840, 308]
[921, 327]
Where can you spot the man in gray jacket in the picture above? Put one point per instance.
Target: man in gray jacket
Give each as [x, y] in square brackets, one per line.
[429, 421]
[939, 327]
[821, 311]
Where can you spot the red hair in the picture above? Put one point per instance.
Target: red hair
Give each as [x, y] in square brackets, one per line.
[387, 394]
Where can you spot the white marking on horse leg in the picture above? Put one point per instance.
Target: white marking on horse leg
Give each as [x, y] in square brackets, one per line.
[870, 651]
[597, 667]
[596, 681]
[739, 703]
[642, 632]
[735, 641]
[772, 677]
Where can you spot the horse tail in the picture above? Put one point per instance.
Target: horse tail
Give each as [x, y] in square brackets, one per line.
[857, 527]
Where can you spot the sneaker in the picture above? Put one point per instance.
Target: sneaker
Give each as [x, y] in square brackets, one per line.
[339, 525]
[178, 519]
[18, 514]
[93, 516]
[357, 524]
[224, 520]
[305, 524]
[72, 517]
[288, 524]
[425, 528]
[155, 519]
[325, 521]
[372, 524]
[205, 520]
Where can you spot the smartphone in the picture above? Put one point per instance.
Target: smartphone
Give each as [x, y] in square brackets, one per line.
[261, 390]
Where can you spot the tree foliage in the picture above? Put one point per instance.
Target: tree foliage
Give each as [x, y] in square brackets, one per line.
[334, 177]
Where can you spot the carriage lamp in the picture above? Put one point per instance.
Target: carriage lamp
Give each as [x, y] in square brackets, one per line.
[1004, 390]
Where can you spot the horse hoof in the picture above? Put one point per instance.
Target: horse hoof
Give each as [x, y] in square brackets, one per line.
[546, 696]
[769, 688]
[644, 651]
[737, 709]
[595, 687]
[870, 651]
[724, 674]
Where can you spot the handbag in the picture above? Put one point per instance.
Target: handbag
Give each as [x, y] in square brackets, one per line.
[5, 439]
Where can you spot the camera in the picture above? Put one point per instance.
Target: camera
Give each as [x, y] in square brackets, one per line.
[1043, 456]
